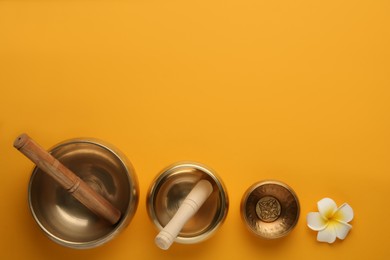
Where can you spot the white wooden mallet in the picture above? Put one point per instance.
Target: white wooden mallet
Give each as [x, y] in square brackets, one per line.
[191, 204]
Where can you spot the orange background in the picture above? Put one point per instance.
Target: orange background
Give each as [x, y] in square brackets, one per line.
[291, 90]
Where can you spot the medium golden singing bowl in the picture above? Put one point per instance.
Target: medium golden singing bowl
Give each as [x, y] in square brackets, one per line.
[270, 209]
[171, 187]
[65, 220]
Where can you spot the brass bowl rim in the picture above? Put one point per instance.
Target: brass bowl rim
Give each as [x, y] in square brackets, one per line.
[126, 217]
[254, 187]
[204, 169]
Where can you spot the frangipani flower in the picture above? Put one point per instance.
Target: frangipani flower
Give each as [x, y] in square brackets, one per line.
[330, 221]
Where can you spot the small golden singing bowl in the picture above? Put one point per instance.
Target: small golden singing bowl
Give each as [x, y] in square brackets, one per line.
[270, 209]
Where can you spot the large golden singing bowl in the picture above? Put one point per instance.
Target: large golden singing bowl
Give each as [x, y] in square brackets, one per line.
[172, 186]
[65, 220]
[270, 209]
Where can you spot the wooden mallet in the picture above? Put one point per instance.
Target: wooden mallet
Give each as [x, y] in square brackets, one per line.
[67, 179]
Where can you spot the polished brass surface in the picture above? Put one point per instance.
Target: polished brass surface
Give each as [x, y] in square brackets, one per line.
[270, 209]
[65, 220]
[171, 187]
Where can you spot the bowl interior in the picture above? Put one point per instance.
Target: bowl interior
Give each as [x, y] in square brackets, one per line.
[172, 187]
[270, 210]
[63, 218]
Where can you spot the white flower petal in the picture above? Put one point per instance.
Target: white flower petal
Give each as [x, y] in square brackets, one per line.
[327, 207]
[342, 229]
[344, 213]
[327, 235]
[315, 221]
